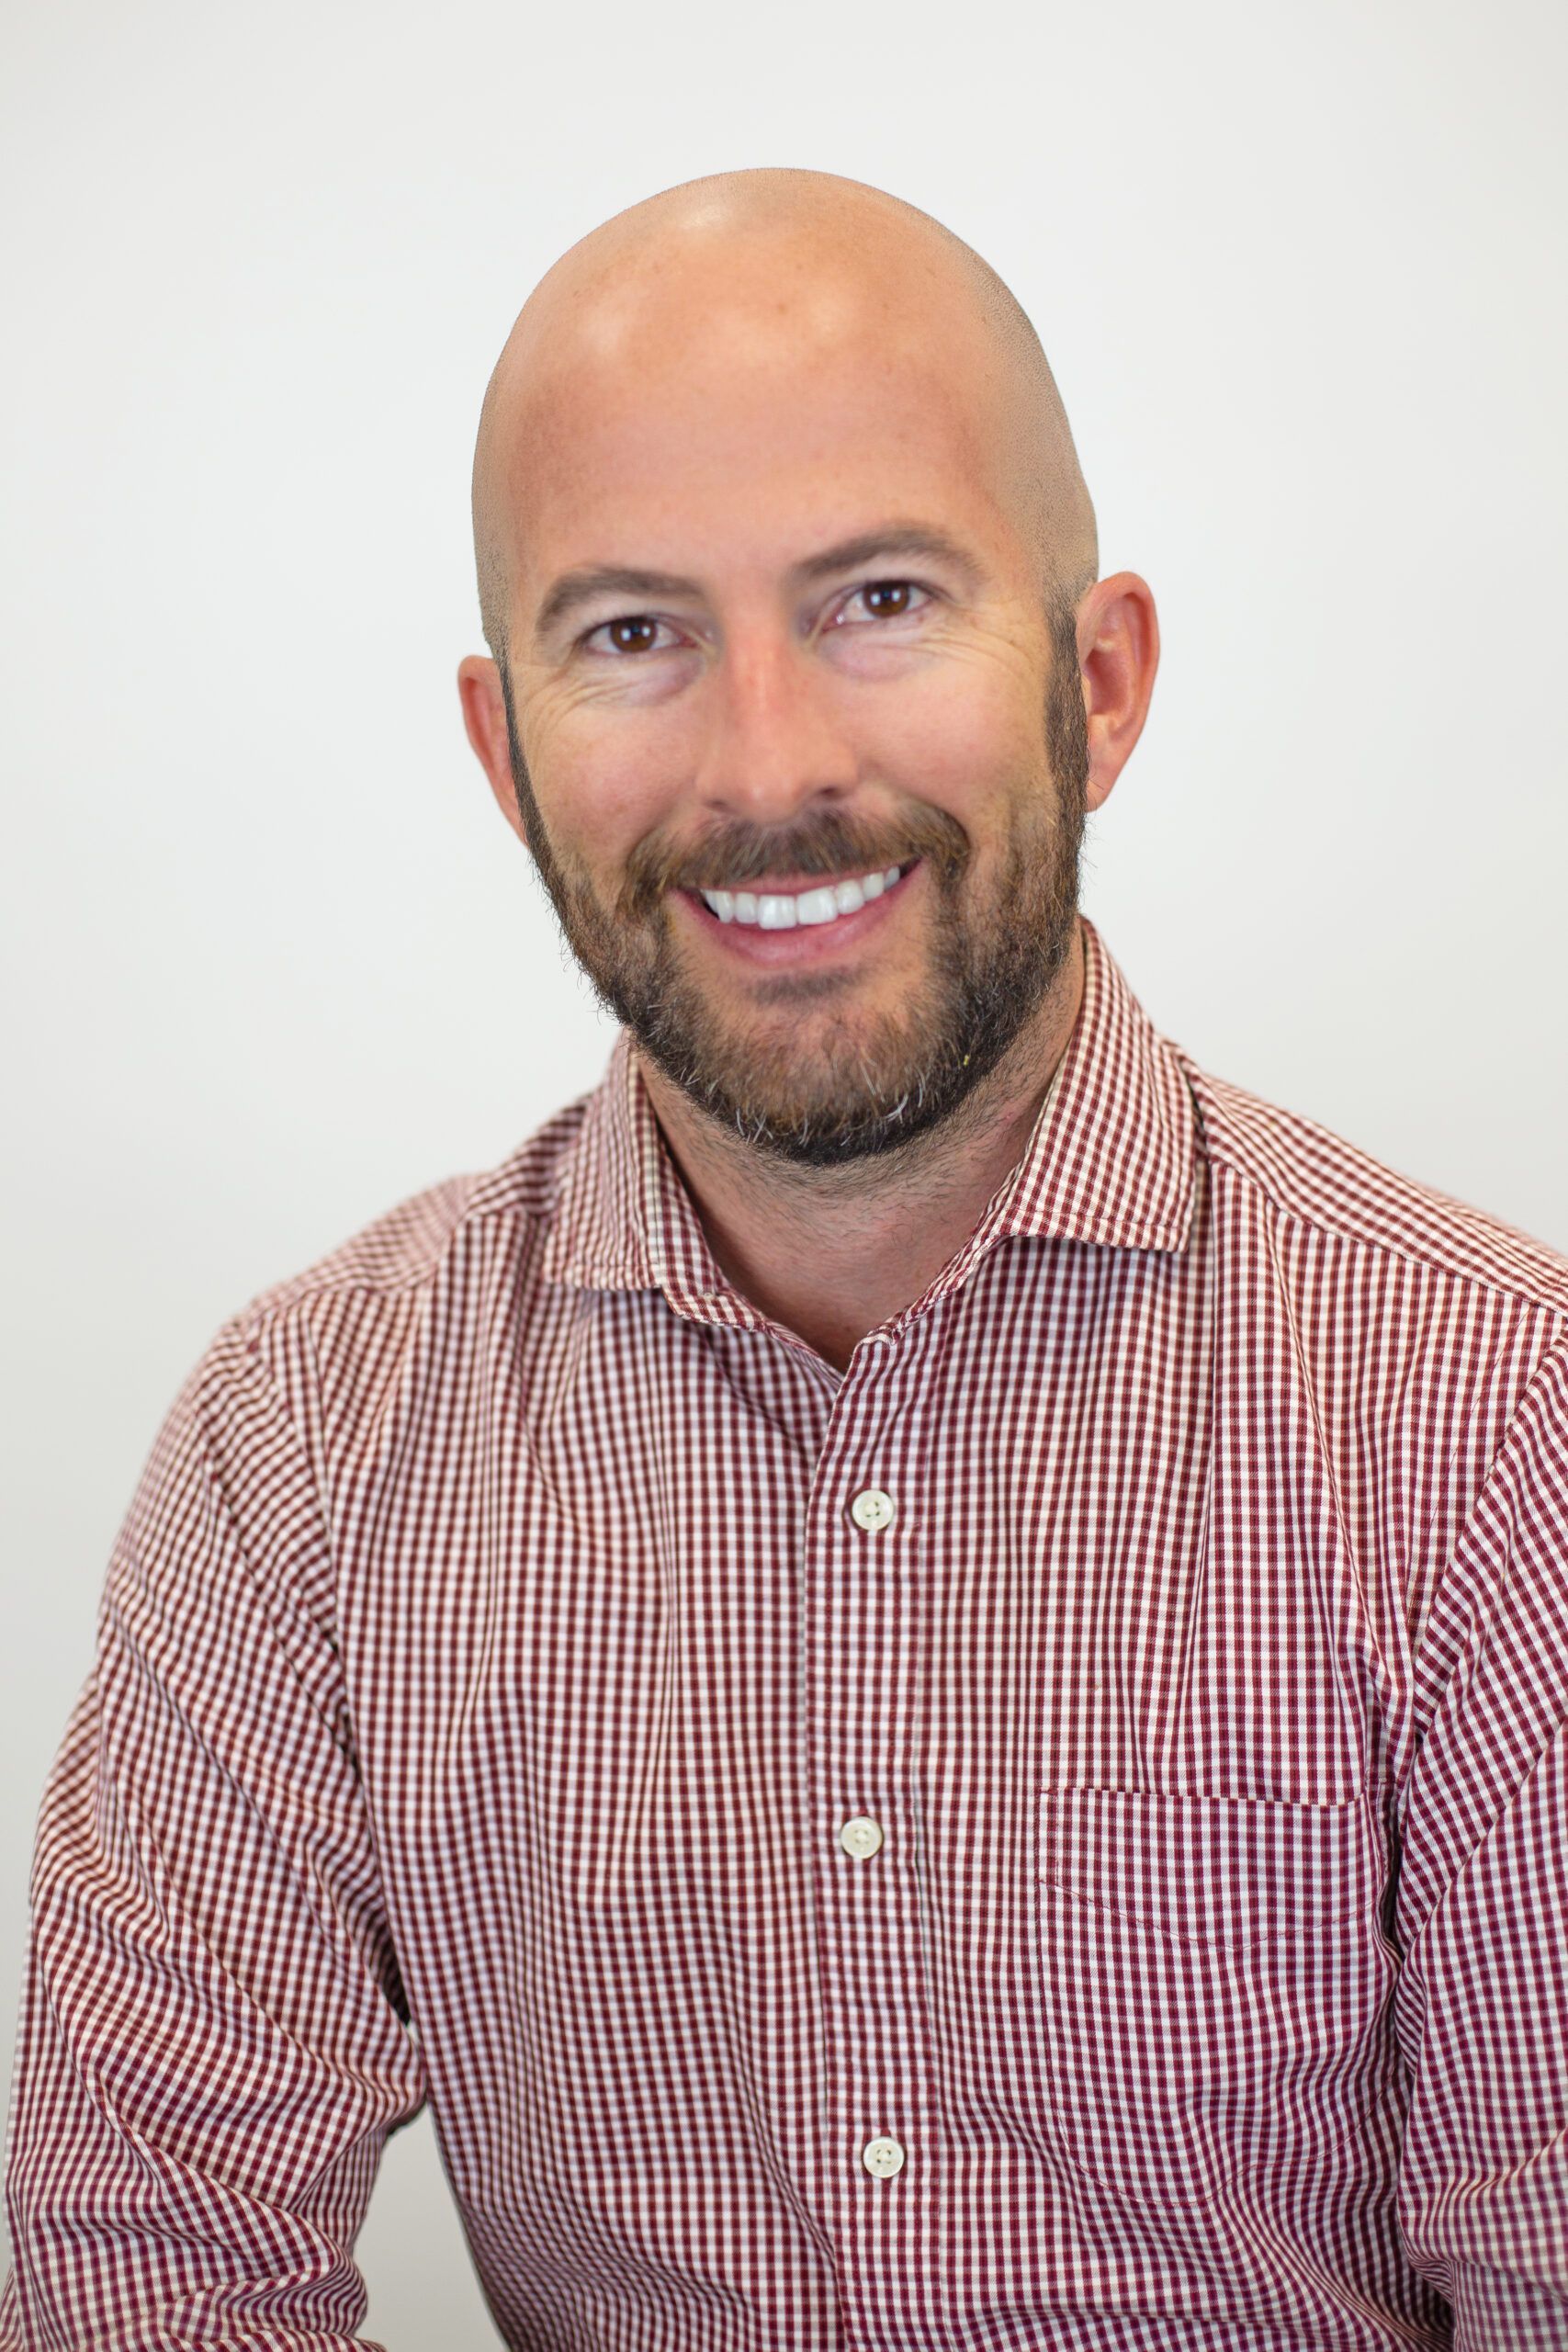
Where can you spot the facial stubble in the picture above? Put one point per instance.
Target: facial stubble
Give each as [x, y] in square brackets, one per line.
[843, 1086]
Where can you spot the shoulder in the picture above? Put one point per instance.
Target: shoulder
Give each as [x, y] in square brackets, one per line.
[1420, 1336]
[419, 1245]
[1291, 1172]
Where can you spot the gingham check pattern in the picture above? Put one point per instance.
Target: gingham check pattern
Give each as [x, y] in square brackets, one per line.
[490, 1658]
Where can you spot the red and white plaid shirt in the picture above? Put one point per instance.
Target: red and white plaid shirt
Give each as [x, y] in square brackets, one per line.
[1057, 1836]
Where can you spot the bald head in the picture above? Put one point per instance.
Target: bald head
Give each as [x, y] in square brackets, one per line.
[783, 275]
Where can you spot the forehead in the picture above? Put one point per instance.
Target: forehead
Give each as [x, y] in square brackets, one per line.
[734, 421]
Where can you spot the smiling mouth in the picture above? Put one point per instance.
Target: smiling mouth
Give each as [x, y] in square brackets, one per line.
[819, 904]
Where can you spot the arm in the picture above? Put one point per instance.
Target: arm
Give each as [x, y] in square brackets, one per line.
[1482, 1906]
[213, 2043]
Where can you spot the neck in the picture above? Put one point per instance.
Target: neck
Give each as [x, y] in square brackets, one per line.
[831, 1252]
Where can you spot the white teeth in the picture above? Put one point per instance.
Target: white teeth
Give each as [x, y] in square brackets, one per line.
[775, 911]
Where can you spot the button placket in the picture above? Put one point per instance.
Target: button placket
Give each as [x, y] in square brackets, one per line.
[862, 1633]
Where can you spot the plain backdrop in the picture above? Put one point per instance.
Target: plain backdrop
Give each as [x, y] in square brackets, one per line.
[274, 961]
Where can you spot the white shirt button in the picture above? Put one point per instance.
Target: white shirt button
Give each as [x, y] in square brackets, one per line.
[860, 1836]
[882, 2158]
[871, 1509]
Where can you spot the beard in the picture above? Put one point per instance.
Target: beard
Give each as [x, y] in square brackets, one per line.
[865, 1085]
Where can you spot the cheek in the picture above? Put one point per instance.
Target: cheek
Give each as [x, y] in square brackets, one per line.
[954, 735]
[603, 789]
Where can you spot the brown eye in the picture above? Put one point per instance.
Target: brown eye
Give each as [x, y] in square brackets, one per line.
[882, 600]
[634, 634]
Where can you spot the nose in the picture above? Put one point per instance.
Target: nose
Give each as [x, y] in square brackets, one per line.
[773, 739]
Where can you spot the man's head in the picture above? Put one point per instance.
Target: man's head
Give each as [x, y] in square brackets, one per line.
[788, 568]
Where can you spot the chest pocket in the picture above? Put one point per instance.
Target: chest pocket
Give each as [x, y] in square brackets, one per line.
[1216, 1984]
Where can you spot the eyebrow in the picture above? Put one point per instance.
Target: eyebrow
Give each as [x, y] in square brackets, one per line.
[587, 582]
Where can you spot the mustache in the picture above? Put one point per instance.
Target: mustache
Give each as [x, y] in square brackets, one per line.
[731, 856]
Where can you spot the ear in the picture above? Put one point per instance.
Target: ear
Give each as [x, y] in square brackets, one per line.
[484, 716]
[1118, 633]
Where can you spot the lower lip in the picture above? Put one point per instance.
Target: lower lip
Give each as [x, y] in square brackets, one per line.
[813, 943]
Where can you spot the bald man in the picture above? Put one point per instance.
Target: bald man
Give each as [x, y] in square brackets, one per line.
[914, 1668]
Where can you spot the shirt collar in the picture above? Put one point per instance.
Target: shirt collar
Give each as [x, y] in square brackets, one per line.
[1110, 1160]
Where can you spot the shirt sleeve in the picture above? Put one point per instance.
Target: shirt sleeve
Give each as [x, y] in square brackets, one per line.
[1482, 1907]
[213, 2042]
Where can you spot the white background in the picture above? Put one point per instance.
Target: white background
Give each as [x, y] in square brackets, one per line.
[275, 961]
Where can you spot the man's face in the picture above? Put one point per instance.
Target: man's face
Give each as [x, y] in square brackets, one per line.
[800, 715]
